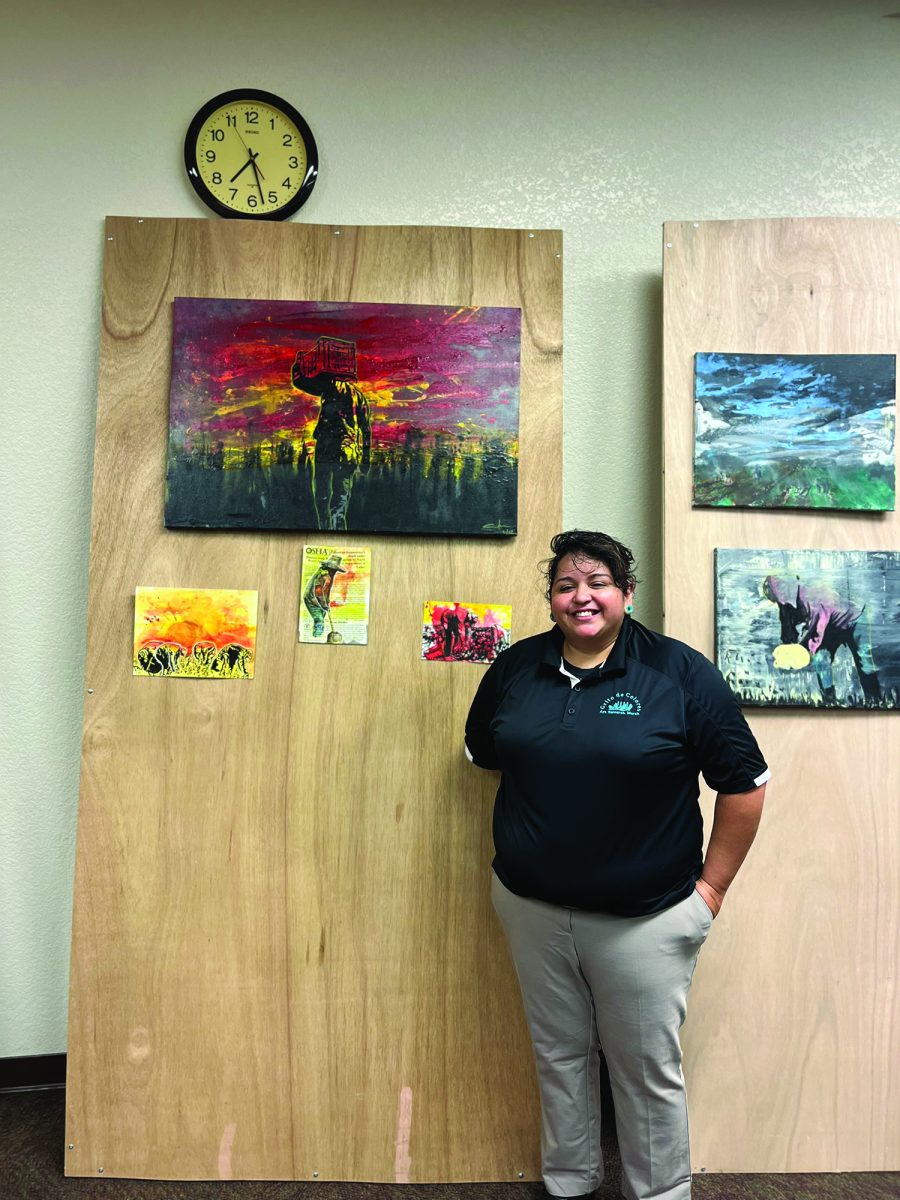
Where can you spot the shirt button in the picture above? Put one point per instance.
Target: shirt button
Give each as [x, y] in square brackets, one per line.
[571, 710]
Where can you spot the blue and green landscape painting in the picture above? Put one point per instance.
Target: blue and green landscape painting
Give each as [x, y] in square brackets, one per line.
[795, 431]
[812, 628]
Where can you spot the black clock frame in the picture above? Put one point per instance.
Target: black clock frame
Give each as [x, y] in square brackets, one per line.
[309, 142]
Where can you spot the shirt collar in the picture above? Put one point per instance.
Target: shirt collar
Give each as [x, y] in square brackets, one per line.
[615, 660]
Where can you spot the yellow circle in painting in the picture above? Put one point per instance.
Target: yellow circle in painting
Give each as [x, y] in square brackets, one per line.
[788, 658]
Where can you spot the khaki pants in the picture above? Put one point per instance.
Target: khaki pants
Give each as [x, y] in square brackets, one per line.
[588, 981]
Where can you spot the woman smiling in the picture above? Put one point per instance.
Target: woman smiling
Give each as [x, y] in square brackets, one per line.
[600, 728]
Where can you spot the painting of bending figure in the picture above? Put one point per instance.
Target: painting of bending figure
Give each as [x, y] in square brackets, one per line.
[815, 628]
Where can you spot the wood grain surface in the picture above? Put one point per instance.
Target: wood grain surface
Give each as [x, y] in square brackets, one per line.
[285, 964]
[791, 1043]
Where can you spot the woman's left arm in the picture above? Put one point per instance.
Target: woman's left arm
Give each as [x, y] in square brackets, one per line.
[734, 827]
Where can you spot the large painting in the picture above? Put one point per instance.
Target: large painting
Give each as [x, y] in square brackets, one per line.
[795, 430]
[336, 416]
[816, 628]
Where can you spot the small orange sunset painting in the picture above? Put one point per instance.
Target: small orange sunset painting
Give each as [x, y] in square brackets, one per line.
[194, 633]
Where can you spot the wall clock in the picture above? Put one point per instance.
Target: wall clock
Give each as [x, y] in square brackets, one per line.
[250, 154]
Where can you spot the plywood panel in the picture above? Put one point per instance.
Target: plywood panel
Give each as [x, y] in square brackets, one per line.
[791, 1043]
[284, 960]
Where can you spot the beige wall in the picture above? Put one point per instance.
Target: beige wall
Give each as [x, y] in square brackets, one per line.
[603, 119]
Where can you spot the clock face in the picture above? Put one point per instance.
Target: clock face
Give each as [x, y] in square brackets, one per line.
[250, 154]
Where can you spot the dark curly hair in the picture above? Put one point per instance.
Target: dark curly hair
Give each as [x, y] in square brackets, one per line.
[594, 547]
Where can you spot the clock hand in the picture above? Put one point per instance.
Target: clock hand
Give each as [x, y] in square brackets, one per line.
[257, 172]
[251, 162]
[253, 153]
[240, 171]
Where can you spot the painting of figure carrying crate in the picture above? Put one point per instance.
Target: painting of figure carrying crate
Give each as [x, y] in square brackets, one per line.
[385, 418]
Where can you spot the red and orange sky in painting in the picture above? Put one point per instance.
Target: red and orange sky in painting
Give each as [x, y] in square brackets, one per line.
[185, 616]
[431, 368]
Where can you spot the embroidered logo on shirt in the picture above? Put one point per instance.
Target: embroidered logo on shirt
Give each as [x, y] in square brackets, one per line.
[622, 704]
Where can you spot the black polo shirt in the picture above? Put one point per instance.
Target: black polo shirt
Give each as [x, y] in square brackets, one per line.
[598, 802]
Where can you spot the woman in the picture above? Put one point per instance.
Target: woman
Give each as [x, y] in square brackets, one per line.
[821, 620]
[600, 728]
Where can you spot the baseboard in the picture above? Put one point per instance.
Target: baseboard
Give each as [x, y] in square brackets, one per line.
[32, 1072]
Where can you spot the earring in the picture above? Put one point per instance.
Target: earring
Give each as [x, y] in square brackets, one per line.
[629, 608]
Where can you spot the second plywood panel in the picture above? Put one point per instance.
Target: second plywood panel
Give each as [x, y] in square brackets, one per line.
[791, 1045]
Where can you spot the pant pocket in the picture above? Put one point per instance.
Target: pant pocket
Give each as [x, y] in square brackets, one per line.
[704, 912]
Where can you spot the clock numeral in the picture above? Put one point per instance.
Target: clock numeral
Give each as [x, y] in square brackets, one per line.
[233, 193]
[286, 182]
[293, 161]
[273, 197]
[271, 122]
[286, 139]
[217, 135]
[210, 156]
[217, 176]
[251, 116]
[251, 202]
[231, 120]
